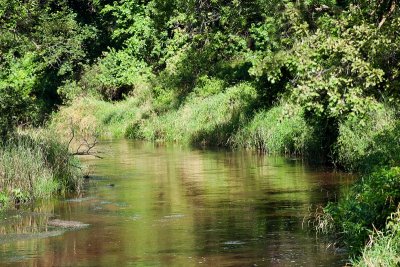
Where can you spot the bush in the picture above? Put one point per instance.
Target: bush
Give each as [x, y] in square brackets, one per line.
[282, 129]
[116, 75]
[207, 86]
[164, 99]
[36, 165]
[369, 141]
[367, 206]
[17, 83]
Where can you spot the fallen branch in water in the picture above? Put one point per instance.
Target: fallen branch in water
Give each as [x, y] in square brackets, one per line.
[85, 145]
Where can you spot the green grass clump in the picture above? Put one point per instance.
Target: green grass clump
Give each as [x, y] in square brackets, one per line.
[364, 143]
[95, 117]
[280, 130]
[203, 119]
[35, 165]
[383, 249]
[365, 207]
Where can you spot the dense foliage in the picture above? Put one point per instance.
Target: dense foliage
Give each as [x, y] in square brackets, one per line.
[335, 59]
[41, 44]
[367, 206]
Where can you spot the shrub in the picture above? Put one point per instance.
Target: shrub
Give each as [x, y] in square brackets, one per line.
[17, 83]
[369, 141]
[207, 86]
[164, 99]
[367, 205]
[70, 90]
[282, 129]
[116, 75]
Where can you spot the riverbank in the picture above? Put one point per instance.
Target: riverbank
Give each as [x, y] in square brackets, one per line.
[231, 118]
[35, 165]
[226, 119]
[366, 145]
[365, 220]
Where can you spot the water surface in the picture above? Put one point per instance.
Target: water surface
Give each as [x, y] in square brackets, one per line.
[151, 205]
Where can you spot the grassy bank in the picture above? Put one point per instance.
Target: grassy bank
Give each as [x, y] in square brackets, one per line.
[279, 130]
[90, 115]
[35, 165]
[365, 208]
[200, 120]
[228, 117]
[365, 220]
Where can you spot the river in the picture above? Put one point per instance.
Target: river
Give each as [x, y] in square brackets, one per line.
[150, 205]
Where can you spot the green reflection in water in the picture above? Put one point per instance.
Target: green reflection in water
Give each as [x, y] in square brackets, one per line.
[169, 206]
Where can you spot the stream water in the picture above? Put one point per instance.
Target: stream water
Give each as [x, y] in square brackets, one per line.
[149, 205]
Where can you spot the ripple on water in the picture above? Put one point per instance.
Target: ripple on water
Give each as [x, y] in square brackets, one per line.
[9, 238]
[135, 217]
[79, 200]
[174, 216]
[234, 243]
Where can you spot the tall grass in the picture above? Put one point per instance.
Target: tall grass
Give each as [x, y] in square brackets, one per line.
[35, 165]
[100, 118]
[203, 119]
[371, 141]
[280, 130]
[383, 249]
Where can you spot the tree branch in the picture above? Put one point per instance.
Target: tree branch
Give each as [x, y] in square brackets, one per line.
[387, 15]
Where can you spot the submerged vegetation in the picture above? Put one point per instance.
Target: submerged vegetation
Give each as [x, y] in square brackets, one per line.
[317, 78]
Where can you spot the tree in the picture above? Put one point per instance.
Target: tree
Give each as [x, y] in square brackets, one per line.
[41, 43]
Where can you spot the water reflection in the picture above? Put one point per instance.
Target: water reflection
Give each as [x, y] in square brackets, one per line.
[178, 207]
